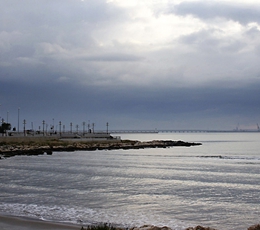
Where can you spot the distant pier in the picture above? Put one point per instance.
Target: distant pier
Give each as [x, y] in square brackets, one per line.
[134, 131]
[184, 131]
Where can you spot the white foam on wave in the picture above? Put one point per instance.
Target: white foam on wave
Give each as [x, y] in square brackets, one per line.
[87, 216]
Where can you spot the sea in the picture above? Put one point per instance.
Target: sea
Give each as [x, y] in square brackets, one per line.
[213, 185]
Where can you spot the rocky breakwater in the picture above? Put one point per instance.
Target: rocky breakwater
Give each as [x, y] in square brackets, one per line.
[10, 151]
[38, 148]
[152, 227]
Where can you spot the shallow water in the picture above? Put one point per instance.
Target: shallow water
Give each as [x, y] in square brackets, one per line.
[216, 184]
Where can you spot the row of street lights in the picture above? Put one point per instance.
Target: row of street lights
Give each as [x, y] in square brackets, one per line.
[53, 131]
[45, 126]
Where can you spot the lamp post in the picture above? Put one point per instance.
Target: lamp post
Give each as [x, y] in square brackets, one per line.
[43, 124]
[89, 127]
[70, 127]
[18, 126]
[93, 126]
[60, 127]
[2, 124]
[32, 128]
[24, 122]
[84, 123]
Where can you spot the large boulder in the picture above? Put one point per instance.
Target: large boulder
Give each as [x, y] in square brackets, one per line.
[254, 227]
[151, 227]
[199, 228]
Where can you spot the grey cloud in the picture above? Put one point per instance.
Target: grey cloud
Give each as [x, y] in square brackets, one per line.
[202, 38]
[40, 38]
[70, 103]
[211, 42]
[56, 13]
[253, 33]
[26, 24]
[211, 9]
[114, 57]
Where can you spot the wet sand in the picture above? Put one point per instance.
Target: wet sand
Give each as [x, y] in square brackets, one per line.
[17, 223]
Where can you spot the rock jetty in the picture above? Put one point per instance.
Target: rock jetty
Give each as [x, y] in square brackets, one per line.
[152, 227]
[200, 228]
[8, 149]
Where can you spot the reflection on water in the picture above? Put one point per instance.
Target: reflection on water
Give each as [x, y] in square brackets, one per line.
[216, 184]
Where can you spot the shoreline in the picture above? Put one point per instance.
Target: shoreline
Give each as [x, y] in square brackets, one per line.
[38, 147]
[23, 223]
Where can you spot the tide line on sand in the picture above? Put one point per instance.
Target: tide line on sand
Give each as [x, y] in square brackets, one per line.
[18, 223]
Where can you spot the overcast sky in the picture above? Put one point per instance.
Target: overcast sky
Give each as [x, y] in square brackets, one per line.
[137, 64]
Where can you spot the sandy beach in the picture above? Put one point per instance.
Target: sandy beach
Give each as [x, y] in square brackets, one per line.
[17, 223]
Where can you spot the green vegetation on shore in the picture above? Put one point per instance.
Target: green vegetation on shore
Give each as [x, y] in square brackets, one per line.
[100, 227]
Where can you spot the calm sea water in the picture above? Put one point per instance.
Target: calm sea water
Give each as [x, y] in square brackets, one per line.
[216, 184]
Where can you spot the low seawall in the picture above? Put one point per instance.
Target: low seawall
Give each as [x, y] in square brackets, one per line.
[26, 139]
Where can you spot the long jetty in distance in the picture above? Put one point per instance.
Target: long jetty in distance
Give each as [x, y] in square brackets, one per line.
[184, 131]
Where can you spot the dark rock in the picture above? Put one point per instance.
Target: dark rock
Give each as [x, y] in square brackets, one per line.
[49, 152]
[199, 228]
[254, 227]
[151, 227]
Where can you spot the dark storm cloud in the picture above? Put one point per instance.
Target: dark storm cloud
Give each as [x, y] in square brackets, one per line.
[177, 107]
[204, 10]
